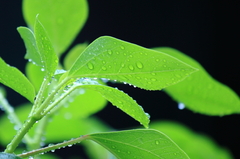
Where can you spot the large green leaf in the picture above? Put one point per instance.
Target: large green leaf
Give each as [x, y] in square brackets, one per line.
[139, 143]
[32, 54]
[114, 59]
[200, 92]
[192, 143]
[47, 53]
[122, 101]
[62, 19]
[13, 78]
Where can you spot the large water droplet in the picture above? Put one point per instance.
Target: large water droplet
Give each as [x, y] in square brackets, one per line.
[90, 66]
[139, 65]
[181, 106]
[131, 67]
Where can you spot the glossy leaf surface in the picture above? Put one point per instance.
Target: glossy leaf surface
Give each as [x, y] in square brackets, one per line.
[139, 143]
[200, 92]
[114, 59]
[122, 101]
[62, 19]
[13, 78]
[30, 43]
[48, 55]
[192, 143]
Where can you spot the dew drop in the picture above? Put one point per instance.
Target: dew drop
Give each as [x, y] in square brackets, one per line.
[122, 47]
[109, 52]
[131, 67]
[129, 152]
[52, 150]
[181, 106]
[153, 79]
[157, 60]
[104, 68]
[178, 76]
[42, 69]
[153, 74]
[123, 65]
[90, 66]
[139, 65]
[157, 142]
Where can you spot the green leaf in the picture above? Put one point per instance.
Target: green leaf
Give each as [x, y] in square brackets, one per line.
[62, 19]
[83, 106]
[122, 101]
[48, 55]
[73, 55]
[139, 143]
[30, 43]
[35, 75]
[8, 156]
[13, 78]
[200, 92]
[114, 59]
[192, 143]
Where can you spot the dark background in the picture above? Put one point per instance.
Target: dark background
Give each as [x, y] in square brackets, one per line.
[207, 30]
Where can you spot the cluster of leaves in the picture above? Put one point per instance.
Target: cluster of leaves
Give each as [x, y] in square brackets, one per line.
[67, 89]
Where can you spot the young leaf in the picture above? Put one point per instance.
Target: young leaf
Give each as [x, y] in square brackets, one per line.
[122, 101]
[13, 78]
[73, 54]
[114, 59]
[48, 55]
[200, 92]
[32, 54]
[62, 19]
[139, 143]
[191, 142]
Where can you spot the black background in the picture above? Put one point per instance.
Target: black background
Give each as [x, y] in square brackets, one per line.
[207, 30]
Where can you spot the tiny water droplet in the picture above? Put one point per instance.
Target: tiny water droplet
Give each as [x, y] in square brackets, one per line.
[128, 152]
[42, 69]
[156, 142]
[181, 106]
[123, 65]
[104, 68]
[52, 150]
[164, 60]
[153, 79]
[139, 65]
[69, 145]
[109, 52]
[90, 66]
[157, 60]
[153, 74]
[122, 47]
[131, 67]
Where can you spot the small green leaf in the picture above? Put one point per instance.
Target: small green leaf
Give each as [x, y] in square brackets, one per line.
[192, 143]
[47, 53]
[114, 59]
[122, 101]
[8, 156]
[139, 143]
[13, 78]
[30, 43]
[35, 75]
[200, 92]
[62, 19]
[73, 55]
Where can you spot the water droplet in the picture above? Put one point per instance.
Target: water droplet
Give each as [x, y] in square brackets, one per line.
[139, 65]
[181, 106]
[153, 74]
[164, 60]
[42, 69]
[113, 147]
[90, 66]
[129, 152]
[153, 79]
[123, 65]
[148, 115]
[103, 62]
[178, 76]
[157, 60]
[104, 68]
[131, 67]
[122, 47]
[52, 150]
[157, 142]
[69, 145]
[109, 52]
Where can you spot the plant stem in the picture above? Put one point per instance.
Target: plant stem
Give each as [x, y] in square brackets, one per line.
[20, 134]
[54, 147]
